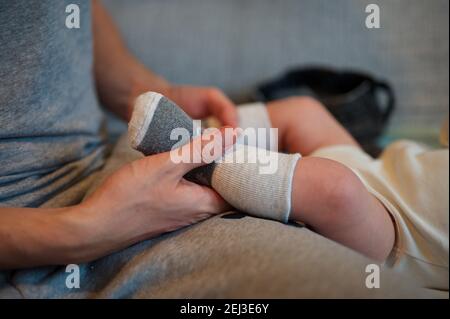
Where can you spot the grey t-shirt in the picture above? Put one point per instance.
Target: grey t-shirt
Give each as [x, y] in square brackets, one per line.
[50, 120]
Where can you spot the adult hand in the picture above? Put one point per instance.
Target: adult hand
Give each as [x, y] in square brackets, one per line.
[149, 197]
[201, 102]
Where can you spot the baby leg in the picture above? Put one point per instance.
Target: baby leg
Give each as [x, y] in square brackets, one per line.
[304, 125]
[326, 195]
[330, 198]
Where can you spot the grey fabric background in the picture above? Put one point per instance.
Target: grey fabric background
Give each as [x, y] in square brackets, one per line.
[235, 44]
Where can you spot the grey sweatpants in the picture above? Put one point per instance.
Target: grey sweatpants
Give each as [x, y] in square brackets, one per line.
[227, 256]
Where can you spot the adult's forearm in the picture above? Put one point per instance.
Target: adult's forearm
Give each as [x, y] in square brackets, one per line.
[120, 77]
[35, 237]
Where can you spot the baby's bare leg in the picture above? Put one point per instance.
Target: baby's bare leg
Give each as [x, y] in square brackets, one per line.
[304, 125]
[332, 200]
[326, 195]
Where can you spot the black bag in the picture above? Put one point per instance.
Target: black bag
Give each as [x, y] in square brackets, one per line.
[359, 102]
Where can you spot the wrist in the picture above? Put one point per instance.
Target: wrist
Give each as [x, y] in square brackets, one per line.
[41, 236]
[94, 234]
[77, 236]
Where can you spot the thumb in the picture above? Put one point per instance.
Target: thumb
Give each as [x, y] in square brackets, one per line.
[202, 150]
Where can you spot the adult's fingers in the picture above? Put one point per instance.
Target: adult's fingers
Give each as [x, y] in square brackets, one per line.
[202, 150]
[213, 202]
[206, 199]
[221, 107]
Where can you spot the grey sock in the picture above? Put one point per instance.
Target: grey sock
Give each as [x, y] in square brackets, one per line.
[153, 137]
[243, 184]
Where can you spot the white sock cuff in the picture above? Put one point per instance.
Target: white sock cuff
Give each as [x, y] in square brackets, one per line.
[143, 111]
[254, 115]
[250, 187]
